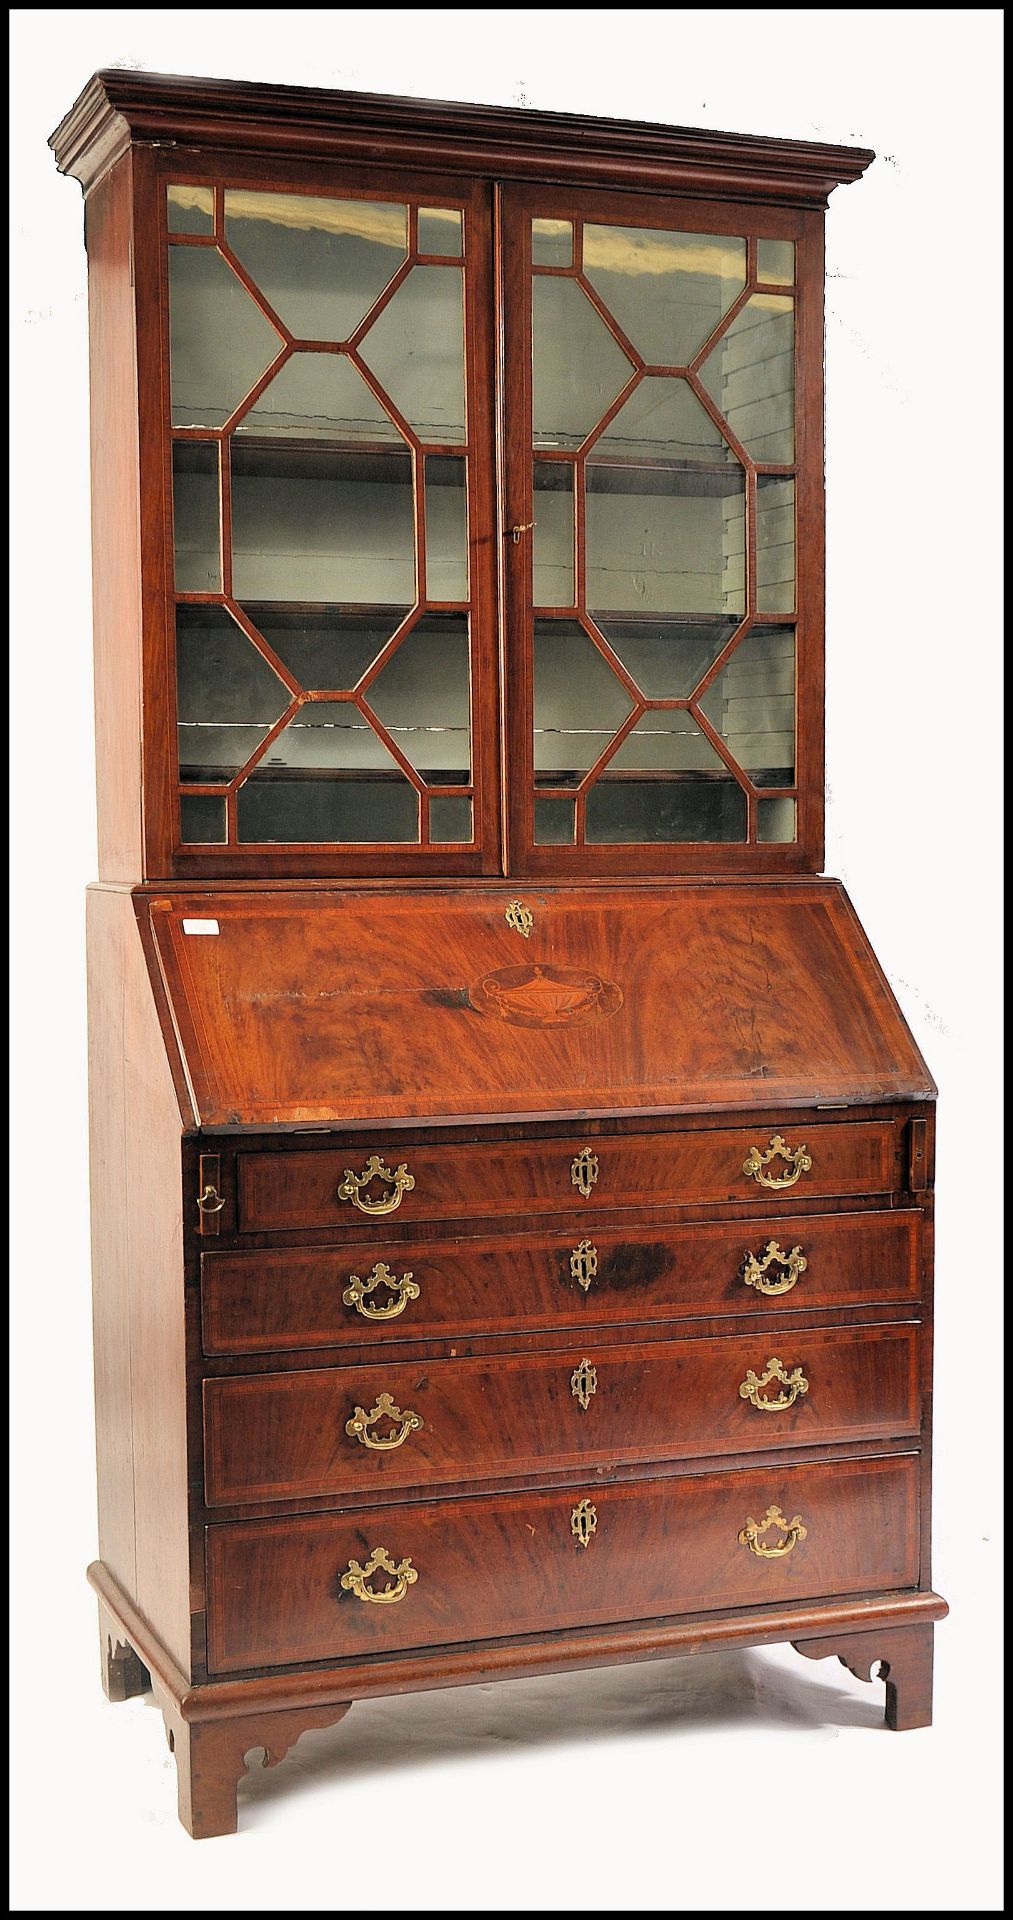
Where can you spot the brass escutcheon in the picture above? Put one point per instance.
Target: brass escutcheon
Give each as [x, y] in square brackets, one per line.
[584, 1172]
[357, 1292]
[798, 1160]
[353, 1185]
[520, 918]
[753, 1531]
[754, 1271]
[584, 1264]
[584, 1522]
[403, 1576]
[358, 1427]
[753, 1385]
[584, 1383]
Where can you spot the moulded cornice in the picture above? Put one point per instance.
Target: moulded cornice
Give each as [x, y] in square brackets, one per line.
[119, 108]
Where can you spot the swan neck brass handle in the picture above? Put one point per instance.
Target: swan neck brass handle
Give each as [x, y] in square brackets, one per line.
[752, 1387]
[797, 1160]
[357, 1292]
[359, 1427]
[584, 1172]
[353, 1186]
[790, 1265]
[356, 1580]
[754, 1530]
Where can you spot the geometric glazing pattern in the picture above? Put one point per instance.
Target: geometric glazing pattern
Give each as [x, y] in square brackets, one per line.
[664, 558]
[320, 437]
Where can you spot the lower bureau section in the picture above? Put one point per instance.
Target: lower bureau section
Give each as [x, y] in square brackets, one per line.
[337, 1585]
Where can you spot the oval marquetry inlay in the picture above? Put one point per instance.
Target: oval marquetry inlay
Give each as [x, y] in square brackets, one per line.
[544, 996]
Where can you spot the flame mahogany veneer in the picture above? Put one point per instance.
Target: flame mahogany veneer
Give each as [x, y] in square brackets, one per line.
[589, 1391]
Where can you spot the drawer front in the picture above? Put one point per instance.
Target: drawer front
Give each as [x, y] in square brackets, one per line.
[484, 1568]
[501, 1283]
[414, 1181]
[347, 1429]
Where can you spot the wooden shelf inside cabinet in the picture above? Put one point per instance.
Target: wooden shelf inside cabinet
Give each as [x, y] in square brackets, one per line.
[481, 1068]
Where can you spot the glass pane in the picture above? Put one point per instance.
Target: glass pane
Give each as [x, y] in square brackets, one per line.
[668, 291]
[423, 698]
[751, 377]
[552, 552]
[219, 341]
[552, 243]
[555, 821]
[330, 810]
[775, 822]
[311, 525]
[668, 658]
[190, 209]
[450, 817]
[196, 517]
[624, 811]
[578, 366]
[579, 703]
[326, 648]
[227, 696]
[320, 396]
[668, 739]
[775, 544]
[320, 263]
[441, 231]
[327, 734]
[665, 510]
[415, 347]
[202, 819]
[775, 262]
[751, 704]
[446, 527]
[662, 422]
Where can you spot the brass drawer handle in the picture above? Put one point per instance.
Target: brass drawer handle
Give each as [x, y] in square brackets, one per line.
[754, 1271]
[753, 1532]
[584, 1264]
[358, 1427]
[798, 1160]
[584, 1522]
[353, 1185]
[210, 1201]
[753, 1385]
[357, 1292]
[584, 1172]
[355, 1580]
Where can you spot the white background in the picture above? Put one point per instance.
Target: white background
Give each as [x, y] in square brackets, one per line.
[728, 1782]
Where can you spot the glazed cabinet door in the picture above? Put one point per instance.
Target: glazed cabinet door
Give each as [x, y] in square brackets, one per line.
[664, 572]
[331, 698]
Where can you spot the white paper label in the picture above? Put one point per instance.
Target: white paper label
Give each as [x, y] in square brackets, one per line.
[200, 926]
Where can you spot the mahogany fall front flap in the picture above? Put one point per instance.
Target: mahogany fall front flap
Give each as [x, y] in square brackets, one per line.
[336, 1008]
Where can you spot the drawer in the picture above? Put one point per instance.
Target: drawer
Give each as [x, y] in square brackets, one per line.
[412, 1180]
[510, 1563]
[501, 1282]
[348, 1429]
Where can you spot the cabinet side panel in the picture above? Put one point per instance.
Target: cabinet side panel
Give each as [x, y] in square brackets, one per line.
[138, 1277]
[116, 568]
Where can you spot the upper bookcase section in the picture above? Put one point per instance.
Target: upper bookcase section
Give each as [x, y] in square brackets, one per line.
[457, 487]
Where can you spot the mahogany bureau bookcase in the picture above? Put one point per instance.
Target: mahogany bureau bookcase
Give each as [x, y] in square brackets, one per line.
[512, 1174]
